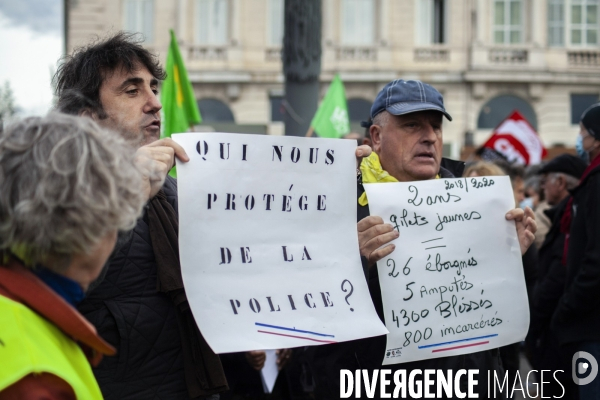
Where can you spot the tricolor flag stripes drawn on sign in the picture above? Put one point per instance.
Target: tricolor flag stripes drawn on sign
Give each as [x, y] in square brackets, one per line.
[294, 333]
[516, 139]
[455, 343]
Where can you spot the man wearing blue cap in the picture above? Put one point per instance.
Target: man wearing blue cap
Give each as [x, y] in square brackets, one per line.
[407, 141]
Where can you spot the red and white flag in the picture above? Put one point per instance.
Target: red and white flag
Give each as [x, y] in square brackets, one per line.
[516, 139]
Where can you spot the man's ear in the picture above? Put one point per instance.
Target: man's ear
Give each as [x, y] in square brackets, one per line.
[86, 112]
[561, 182]
[375, 133]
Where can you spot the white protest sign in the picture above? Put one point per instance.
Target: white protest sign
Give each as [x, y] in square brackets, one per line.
[268, 243]
[454, 284]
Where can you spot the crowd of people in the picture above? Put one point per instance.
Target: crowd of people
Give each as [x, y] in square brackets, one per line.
[92, 303]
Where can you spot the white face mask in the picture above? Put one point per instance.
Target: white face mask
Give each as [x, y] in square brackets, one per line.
[527, 202]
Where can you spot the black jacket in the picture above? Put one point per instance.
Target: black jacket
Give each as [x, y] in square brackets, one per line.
[140, 322]
[368, 353]
[577, 317]
[545, 350]
[550, 284]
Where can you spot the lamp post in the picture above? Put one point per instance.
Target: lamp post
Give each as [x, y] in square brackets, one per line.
[301, 63]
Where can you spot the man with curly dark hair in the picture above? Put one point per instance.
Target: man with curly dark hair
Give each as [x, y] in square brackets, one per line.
[140, 304]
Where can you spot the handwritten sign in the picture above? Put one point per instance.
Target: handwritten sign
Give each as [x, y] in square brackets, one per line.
[454, 284]
[268, 245]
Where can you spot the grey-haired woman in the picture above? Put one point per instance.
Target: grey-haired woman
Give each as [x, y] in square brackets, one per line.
[66, 188]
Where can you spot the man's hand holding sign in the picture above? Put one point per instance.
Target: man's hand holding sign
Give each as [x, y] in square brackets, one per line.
[445, 247]
[445, 286]
[284, 272]
[375, 236]
[406, 133]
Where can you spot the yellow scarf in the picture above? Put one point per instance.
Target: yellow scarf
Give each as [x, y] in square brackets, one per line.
[373, 172]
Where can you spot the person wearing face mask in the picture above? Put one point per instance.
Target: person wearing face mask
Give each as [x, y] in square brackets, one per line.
[576, 320]
[589, 134]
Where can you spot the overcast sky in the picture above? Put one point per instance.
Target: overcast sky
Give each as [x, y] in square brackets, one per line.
[30, 44]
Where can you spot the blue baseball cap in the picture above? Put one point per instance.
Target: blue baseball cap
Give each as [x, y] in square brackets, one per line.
[401, 97]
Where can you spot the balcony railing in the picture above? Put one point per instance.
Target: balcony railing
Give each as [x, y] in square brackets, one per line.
[583, 58]
[509, 56]
[205, 53]
[347, 53]
[432, 55]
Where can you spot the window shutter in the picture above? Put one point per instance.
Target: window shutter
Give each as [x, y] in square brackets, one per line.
[220, 20]
[147, 26]
[202, 21]
[424, 22]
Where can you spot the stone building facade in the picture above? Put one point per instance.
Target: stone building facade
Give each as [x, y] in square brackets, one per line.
[487, 57]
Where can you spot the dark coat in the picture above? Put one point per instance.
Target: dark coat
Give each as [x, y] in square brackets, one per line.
[577, 317]
[368, 353]
[551, 275]
[140, 322]
[546, 353]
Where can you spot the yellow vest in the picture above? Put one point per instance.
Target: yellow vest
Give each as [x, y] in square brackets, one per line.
[31, 344]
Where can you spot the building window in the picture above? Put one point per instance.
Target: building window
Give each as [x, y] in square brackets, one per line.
[358, 22]
[508, 21]
[275, 18]
[584, 22]
[213, 110]
[212, 22]
[139, 18]
[499, 108]
[431, 17]
[556, 22]
[277, 109]
[580, 103]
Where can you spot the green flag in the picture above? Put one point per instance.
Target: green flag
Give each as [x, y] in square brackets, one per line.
[180, 110]
[331, 119]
